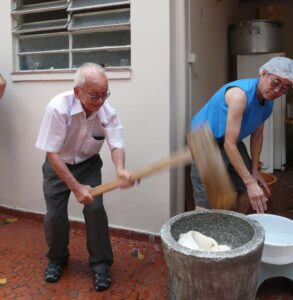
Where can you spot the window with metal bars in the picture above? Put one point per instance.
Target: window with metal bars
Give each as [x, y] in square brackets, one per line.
[63, 34]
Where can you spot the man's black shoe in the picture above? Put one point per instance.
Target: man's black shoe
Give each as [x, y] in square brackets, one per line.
[53, 272]
[102, 280]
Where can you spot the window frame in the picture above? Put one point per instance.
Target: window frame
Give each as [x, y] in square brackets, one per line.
[19, 34]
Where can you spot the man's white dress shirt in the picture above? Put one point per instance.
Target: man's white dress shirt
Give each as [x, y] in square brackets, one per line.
[66, 130]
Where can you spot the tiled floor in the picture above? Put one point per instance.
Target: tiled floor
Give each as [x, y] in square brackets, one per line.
[139, 271]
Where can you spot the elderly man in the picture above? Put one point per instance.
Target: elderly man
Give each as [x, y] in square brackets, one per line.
[237, 110]
[2, 85]
[73, 130]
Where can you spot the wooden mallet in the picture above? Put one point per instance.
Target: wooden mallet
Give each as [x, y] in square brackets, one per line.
[205, 152]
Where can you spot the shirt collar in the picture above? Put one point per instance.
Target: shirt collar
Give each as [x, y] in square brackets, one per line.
[77, 108]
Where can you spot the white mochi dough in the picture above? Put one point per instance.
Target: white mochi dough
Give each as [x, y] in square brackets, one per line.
[188, 241]
[198, 241]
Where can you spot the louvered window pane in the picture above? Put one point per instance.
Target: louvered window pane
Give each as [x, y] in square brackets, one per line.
[37, 7]
[44, 61]
[101, 39]
[85, 4]
[43, 21]
[41, 26]
[96, 20]
[104, 58]
[43, 43]
[31, 2]
[44, 16]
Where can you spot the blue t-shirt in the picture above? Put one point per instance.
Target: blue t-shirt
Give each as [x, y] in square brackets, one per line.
[214, 112]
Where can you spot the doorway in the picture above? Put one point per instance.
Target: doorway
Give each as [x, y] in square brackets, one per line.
[207, 55]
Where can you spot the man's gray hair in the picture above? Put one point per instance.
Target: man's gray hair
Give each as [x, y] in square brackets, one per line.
[80, 74]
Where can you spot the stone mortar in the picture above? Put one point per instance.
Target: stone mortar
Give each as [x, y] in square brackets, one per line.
[206, 275]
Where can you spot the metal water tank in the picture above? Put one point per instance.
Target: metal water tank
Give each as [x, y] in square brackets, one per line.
[256, 36]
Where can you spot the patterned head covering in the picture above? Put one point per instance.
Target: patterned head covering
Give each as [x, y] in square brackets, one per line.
[280, 66]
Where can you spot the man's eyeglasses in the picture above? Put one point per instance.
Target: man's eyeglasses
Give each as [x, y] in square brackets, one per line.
[97, 97]
[277, 84]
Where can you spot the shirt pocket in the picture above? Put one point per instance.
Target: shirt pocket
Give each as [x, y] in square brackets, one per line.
[93, 145]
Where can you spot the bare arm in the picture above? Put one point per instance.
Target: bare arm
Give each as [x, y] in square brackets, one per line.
[236, 101]
[256, 146]
[256, 143]
[2, 85]
[80, 191]
[118, 157]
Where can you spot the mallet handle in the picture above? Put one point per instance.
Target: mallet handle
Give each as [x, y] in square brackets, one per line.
[175, 160]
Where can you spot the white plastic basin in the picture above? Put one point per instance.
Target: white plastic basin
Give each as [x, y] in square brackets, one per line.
[278, 246]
